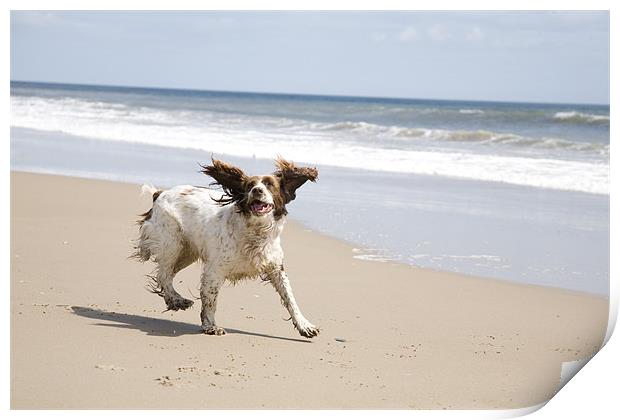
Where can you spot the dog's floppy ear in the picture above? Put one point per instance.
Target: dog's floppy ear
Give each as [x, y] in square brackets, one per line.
[229, 177]
[293, 177]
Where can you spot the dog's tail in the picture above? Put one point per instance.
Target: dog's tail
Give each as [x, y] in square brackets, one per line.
[151, 190]
[154, 192]
[144, 243]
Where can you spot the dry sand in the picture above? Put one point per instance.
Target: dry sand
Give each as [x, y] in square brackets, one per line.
[86, 334]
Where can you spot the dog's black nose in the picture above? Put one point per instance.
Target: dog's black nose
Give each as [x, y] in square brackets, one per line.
[257, 191]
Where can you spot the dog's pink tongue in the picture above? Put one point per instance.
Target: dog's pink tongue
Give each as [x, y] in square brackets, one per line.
[260, 207]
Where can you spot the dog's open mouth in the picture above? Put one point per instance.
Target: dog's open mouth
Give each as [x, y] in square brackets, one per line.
[259, 207]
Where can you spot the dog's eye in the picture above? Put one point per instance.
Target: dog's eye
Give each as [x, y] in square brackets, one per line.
[267, 182]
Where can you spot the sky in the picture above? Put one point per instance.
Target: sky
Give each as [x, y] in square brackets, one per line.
[539, 56]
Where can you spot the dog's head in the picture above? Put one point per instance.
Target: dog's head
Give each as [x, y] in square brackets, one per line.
[259, 195]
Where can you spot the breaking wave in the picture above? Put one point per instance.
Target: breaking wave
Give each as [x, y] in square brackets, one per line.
[580, 117]
[466, 136]
[343, 144]
[471, 111]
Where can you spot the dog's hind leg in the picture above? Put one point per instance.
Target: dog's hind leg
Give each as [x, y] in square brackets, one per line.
[163, 287]
[185, 258]
[166, 270]
[162, 239]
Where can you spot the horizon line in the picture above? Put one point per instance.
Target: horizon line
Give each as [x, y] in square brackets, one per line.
[317, 95]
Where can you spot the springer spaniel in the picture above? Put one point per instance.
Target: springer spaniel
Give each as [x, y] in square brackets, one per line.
[237, 236]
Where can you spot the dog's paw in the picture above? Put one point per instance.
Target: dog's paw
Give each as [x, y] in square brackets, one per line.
[309, 331]
[175, 304]
[214, 330]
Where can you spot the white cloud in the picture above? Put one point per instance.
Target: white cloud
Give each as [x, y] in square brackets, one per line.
[438, 32]
[475, 34]
[409, 34]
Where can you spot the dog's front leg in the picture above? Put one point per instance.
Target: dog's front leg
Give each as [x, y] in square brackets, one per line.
[210, 283]
[279, 280]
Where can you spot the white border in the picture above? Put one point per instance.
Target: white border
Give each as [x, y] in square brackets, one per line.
[592, 394]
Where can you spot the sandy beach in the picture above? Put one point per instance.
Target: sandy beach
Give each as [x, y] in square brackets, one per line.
[86, 334]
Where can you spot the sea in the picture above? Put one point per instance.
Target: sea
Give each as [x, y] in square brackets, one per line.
[511, 191]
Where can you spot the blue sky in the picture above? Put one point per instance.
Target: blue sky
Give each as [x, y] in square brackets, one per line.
[506, 56]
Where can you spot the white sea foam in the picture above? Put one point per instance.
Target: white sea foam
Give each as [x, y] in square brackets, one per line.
[471, 111]
[307, 142]
[370, 254]
[581, 117]
[371, 257]
[483, 257]
[466, 136]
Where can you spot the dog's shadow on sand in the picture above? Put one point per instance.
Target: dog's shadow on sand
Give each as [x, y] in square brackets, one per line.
[158, 327]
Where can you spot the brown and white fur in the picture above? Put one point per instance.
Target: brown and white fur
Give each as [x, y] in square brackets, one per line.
[236, 236]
